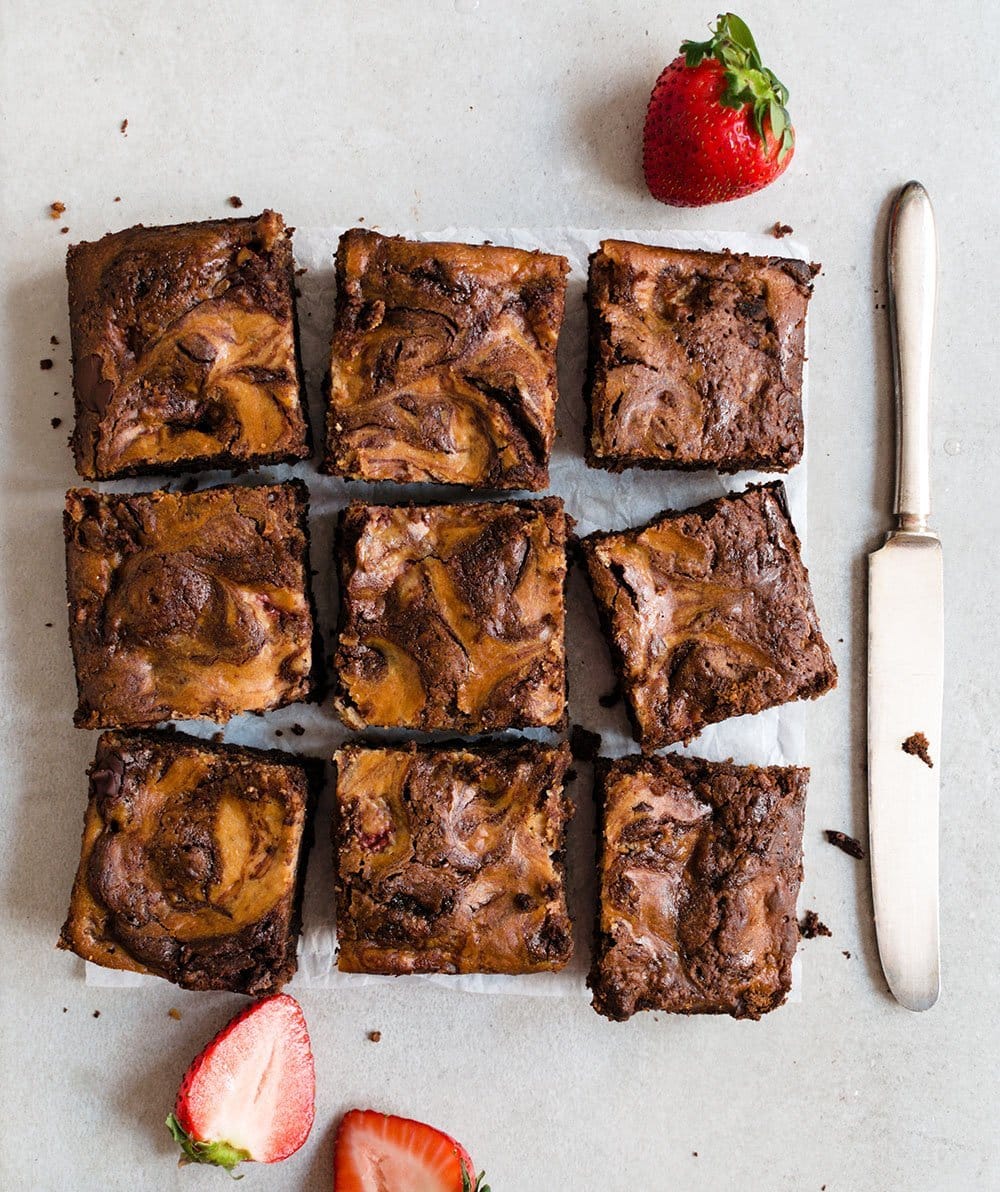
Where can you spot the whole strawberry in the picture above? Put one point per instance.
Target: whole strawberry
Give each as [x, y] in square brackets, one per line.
[716, 127]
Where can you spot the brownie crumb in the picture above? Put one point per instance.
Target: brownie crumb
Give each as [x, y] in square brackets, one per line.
[63, 231]
[846, 954]
[298, 730]
[584, 744]
[56, 209]
[65, 1009]
[45, 364]
[123, 127]
[174, 1014]
[97, 1014]
[55, 422]
[695, 1154]
[53, 340]
[117, 199]
[169, 728]
[846, 844]
[302, 271]
[612, 698]
[917, 745]
[375, 1036]
[278, 732]
[48, 624]
[780, 230]
[235, 201]
[218, 737]
[811, 925]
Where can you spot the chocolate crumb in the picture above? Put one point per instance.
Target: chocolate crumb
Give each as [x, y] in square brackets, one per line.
[174, 1014]
[65, 1009]
[53, 340]
[779, 230]
[846, 844]
[810, 926]
[124, 127]
[56, 209]
[217, 737]
[695, 1153]
[278, 732]
[612, 698]
[298, 730]
[917, 745]
[97, 1014]
[846, 953]
[55, 422]
[48, 624]
[63, 231]
[235, 201]
[45, 365]
[584, 744]
[117, 199]
[375, 1036]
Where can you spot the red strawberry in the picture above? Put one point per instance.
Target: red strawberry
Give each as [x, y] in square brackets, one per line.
[716, 127]
[375, 1152]
[251, 1093]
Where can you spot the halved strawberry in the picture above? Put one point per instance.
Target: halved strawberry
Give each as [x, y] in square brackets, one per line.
[251, 1094]
[376, 1151]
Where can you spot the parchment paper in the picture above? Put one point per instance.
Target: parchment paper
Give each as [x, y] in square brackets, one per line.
[597, 500]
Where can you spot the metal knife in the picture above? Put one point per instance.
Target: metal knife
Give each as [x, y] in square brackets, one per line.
[906, 638]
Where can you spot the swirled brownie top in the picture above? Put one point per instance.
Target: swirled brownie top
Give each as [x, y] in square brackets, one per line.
[709, 614]
[450, 859]
[184, 349]
[452, 616]
[192, 862]
[700, 864]
[186, 605]
[443, 365]
[695, 358]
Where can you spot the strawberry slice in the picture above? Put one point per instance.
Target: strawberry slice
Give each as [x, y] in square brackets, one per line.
[376, 1151]
[250, 1095]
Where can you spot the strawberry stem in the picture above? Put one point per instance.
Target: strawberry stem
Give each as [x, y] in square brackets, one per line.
[221, 1154]
[749, 83]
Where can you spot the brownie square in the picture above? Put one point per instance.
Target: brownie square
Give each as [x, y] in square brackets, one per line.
[709, 614]
[193, 861]
[695, 359]
[185, 605]
[700, 864]
[185, 353]
[450, 858]
[452, 616]
[443, 365]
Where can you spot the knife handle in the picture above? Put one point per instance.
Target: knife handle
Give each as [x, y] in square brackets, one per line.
[912, 292]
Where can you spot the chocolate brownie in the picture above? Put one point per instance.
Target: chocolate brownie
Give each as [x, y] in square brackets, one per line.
[185, 350]
[452, 616]
[443, 365]
[700, 864]
[450, 858]
[186, 605]
[193, 861]
[695, 359]
[709, 614]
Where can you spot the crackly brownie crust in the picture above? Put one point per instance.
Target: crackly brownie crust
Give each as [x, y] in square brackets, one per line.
[443, 364]
[700, 864]
[187, 605]
[450, 858]
[193, 861]
[185, 349]
[452, 616]
[695, 359]
[709, 614]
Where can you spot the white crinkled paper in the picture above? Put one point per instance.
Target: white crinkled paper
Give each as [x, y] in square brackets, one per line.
[597, 500]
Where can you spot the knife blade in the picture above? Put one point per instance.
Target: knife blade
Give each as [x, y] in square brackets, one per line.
[906, 638]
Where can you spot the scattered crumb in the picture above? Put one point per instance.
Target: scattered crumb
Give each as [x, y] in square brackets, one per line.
[63, 231]
[570, 775]
[846, 844]
[53, 340]
[48, 624]
[174, 1014]
[97, 1014]
[65, 1009]
[779, 230]
[217, 737]
[303, 270]
[55, 422]
[278, 732]
[695, 1153]
[56, 209]
[584, 744]
[235, 201]
[375, 1036]
[123, 127]
[298, 730]
[611, 699]
[45, 365]
[918, 746]
[810, 926]
[361, 219]
[846, 954]
[117, 199]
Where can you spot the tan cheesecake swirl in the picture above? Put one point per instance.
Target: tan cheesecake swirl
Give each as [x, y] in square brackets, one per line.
[443, 365]
[190, 863]
[451, 859]
[185, 605]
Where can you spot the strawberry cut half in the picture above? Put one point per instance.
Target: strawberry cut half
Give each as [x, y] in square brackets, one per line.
[251, 1094]
[376, 1152]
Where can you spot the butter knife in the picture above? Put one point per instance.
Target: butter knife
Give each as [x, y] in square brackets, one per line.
[905, 638]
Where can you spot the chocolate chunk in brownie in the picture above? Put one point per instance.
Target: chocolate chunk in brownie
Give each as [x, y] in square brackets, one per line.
[700, 864]
[193, 862]
[443, 364]
[450, 858]
[695, 359]
[710, 614]
[187, 605]
[452, 616]
[185, 350]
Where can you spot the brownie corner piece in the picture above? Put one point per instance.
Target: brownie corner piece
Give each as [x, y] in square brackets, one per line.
[185, 349]
[443, 362]
[188, 605]
[450, 858]
[699, 868]
[192, 864]
[695, 359]
[709, 614]
[452, 616]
